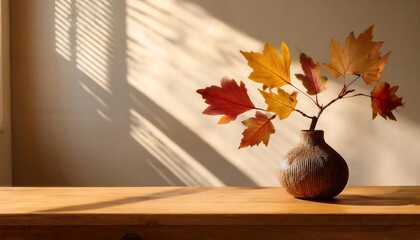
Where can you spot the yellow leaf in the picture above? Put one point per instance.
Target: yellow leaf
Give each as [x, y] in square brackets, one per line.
[374, 74]
[354, 58]
[269, 68]
[281, 103]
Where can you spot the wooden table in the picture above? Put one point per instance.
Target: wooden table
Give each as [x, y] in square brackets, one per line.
[207, 213]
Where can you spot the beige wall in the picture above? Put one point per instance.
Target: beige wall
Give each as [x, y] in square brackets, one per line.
[5, 121]
[104, 91]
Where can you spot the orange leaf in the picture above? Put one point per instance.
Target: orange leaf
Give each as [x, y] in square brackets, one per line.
[384, 100]
[375, 72]
[270, 69]
[354, 58]
[259, 129]
[229, 100]
[281, 103]
[313, 80]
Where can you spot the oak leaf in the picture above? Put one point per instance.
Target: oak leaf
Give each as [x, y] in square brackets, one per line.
[259, 129]
[281, 103]
[384, 100]
[354, 58]
[229, 100]
[312, 80]
[375, 72]
[269, 68]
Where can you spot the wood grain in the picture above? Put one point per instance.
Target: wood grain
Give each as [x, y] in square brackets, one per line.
[186, 213]
[151, 206]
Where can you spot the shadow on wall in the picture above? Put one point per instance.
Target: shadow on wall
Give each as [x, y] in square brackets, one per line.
[106, 41]
[119, 105]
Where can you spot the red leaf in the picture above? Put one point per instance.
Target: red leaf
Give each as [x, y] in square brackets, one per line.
[384, 100]
[259, 129]
[313, 80]
[229, 100]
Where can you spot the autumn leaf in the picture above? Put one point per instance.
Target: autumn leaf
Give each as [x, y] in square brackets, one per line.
[259, 129]
[354, 58]
[375, 72]
[313, 80]
[384, 100]
[269, 68]
[281, 103]
[229, 100]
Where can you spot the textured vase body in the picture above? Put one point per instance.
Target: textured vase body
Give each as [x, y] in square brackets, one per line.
[313, 169]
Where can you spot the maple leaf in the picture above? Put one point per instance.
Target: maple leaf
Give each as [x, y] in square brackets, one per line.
[281, 103]
[229, 100]
[354, 58]
[384, 100]
[259, 129]
[313, 80]
[269, 68]
[375, 72]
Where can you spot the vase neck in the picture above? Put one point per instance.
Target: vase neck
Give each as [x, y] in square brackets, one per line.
[312, 137]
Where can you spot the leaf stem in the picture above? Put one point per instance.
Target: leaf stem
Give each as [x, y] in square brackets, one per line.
[261, 109]
[354, 80]
[313, 123]
[303, 114]
[359, 94]
[341, 95]
[344, 80]
[290, 83]
[304, 93]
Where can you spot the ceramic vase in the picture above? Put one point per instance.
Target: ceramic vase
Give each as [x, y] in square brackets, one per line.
[313, 169]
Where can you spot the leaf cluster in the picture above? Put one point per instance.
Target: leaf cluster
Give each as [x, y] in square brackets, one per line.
[360, 57]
